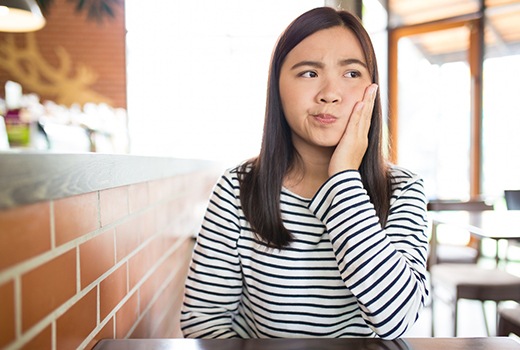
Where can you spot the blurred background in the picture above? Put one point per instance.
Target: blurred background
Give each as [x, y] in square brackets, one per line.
[187, 79]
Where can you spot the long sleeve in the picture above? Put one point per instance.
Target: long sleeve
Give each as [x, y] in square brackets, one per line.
[343, 275]
[384, 268]
[214, 282]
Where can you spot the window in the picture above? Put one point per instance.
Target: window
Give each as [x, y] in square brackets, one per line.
[434, 112]
[197, 74]
[465, 143]
[501, 103]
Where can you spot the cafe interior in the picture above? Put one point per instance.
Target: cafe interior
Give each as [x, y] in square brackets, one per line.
[111, 110]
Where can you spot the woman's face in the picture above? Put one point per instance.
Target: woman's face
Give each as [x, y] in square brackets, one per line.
[321, 80]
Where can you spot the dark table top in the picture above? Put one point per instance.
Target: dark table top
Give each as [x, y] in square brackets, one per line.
[491, 343]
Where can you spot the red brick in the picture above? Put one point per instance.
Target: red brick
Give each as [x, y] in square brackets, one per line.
[152, 285]
[147, 225]
[163, 216]
[76, 323]
[137, 196]
[164, 315]
[143, 328]
[141, 263]
[75, 216]
[7, 327]
[112, 290]
[107, 332]
[96, 257]
[113, 204]
[127, 316]
[47, 287]
[25, 232]
[42, 341]
[127, 238]
[159, 190]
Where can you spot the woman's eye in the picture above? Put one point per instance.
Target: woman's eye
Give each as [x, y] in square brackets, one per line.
[352, 74]
[308, 74]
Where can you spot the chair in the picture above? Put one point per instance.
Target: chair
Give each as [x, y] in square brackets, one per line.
[470, 281]
[458, 276]
[512, 199]
[443, 253]
[509, 318]
[508, 321]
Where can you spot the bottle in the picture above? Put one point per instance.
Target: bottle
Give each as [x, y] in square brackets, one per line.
[4, 141]
[18, 130]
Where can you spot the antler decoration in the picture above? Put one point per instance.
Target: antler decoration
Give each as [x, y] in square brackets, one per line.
[28, 67]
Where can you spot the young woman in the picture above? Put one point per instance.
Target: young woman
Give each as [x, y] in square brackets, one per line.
[318, 236]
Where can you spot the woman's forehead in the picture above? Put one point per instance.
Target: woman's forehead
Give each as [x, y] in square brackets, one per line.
[339, 42]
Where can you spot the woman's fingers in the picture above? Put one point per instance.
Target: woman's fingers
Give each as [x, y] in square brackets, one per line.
[362, 114]
[368, 106]
[353, 145]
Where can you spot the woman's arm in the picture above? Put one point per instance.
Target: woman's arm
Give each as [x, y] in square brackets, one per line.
[214, 282]
[384, 268]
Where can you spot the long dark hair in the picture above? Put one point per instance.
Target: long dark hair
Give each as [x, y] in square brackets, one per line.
[261, 178]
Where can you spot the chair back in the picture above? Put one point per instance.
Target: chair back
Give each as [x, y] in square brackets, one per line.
[475, 205]
[512, 199]
[469, 253]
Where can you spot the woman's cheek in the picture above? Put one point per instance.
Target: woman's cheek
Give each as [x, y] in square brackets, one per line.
[340, 130]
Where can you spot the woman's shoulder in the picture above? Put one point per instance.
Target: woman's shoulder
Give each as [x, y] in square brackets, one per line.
[402, 177]
[232, 175]
[397, 171]
[238, 170]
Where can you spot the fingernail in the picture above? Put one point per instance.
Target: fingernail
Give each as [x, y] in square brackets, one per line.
[373, 89]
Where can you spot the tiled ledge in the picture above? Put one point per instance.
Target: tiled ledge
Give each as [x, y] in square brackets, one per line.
[105, 250]
[29, 177]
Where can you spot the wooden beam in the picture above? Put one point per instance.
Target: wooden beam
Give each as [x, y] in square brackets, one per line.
[476, 57]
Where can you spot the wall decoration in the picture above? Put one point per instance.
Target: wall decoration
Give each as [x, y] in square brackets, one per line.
[78, 57]
[96, 10]
[67, 83]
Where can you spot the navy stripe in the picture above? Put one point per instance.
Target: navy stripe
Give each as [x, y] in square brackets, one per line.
[342, 275]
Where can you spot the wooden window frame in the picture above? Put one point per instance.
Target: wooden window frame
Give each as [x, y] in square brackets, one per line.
[475, 22]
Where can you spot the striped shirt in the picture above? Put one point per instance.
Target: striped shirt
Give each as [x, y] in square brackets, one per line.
[342, 276]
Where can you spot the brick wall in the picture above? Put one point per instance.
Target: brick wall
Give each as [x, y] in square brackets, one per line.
[106, 264]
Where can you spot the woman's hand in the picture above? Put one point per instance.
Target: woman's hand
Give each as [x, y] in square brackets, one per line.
[352, 146]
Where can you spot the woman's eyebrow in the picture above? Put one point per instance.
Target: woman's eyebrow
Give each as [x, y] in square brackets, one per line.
[316, 64]
[350, 61]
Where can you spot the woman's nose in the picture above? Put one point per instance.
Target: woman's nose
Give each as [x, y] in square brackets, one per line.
[329, 93]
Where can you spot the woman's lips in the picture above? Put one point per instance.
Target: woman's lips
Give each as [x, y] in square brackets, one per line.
[325, 118]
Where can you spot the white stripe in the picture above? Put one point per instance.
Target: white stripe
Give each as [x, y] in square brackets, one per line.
[298, 291]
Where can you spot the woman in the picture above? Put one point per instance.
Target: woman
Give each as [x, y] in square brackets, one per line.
[318, 236]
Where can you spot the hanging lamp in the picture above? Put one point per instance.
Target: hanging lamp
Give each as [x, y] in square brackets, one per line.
[20, 16]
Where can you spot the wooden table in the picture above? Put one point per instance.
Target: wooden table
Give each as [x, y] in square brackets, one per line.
[492, 224]
[492, 343]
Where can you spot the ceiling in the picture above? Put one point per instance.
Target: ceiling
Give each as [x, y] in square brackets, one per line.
[501, 35]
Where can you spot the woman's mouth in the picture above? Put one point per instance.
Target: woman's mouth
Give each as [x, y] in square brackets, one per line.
[325, 118]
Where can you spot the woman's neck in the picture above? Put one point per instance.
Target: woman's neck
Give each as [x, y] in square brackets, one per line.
[310, 172]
